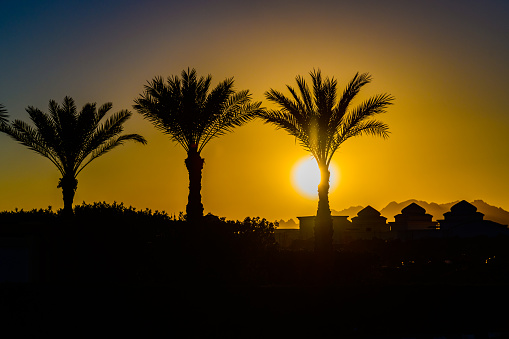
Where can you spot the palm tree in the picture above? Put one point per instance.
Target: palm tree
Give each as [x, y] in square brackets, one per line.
[191, 115]
[71, 140]
[322, 122]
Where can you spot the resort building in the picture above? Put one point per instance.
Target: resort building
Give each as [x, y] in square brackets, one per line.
[368, 224]
[413, 223]
[307, 224]
[465, 221]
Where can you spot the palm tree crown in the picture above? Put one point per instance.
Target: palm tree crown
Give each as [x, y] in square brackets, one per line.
[71, 139]
[322, 121]
[191, 115]
[186, 110]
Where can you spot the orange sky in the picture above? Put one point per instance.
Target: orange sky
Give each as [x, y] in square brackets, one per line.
[445, 63]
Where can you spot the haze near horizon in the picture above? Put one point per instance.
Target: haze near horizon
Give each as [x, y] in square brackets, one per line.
[444, 62]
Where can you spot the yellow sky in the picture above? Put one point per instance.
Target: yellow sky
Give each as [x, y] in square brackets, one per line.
[446, 65]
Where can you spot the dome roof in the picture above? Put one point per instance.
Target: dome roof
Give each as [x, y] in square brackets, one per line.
[368, 212]
[463, 207]
[413, 208]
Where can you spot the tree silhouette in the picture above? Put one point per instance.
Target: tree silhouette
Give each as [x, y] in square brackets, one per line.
[71, 140]
[322, 122]
[184, 109]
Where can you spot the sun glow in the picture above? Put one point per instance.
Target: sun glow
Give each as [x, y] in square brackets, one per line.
[306, 177]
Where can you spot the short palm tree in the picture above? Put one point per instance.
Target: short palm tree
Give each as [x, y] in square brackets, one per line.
[322, 122]
[191, 115]
[71, 140]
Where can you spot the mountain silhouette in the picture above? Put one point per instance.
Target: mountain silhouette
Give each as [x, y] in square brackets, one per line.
[490, 212]
[290, 224]
[436, 210]
[350, 211]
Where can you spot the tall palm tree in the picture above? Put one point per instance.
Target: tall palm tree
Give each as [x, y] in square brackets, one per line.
[322, 122]
[71, 140]
[191, 115]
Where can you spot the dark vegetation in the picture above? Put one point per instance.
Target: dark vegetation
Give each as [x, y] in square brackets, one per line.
[144, 270]
[114, 243]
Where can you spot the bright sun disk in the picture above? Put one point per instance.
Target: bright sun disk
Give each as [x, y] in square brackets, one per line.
[306, 177]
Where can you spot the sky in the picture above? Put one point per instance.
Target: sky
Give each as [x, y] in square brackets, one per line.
[445, 62]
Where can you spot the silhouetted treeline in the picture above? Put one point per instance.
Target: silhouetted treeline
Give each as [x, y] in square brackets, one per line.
[112, 242]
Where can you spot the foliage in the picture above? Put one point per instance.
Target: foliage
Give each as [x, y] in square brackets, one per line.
[114, 242]
[103, 211]
[71, 140]
[258, 232]
[185, 109]
[17, 217]
[320, 120]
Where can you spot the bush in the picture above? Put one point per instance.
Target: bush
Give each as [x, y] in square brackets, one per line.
[112, 242]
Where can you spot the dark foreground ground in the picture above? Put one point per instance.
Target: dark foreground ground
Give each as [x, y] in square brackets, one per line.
[255, 311]
[145, 276]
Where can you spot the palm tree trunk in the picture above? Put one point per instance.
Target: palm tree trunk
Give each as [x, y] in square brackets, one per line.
[323, 221]
[194, 164]
[68, 183]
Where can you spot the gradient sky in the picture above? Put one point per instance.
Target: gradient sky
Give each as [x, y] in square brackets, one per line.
[446, 63]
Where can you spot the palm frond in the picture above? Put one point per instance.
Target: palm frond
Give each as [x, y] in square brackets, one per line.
[3, 115]
[295, 108]
[288, 122]
[285, 103]
[110, 144]
[67, 118]
[45, 127]
[374, 105]
[108, 130]
[370, 127]
[88, 119]
[161, 104]
[307, 102]
[31, 138]
[237, 111]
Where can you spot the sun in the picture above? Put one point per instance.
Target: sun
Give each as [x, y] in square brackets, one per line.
[306, 177]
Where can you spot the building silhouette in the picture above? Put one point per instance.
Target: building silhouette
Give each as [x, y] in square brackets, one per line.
[462, 221]
[413, 223]
[368, 224]
[307, 224]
